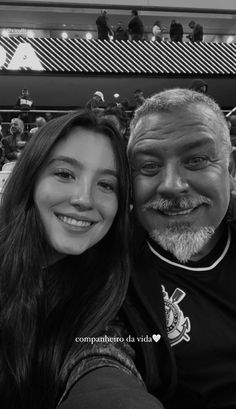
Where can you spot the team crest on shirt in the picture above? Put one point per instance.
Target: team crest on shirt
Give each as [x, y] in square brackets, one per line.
[178, 326]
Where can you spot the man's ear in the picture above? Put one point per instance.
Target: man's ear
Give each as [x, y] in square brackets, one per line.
[232, 162]
[232, 171]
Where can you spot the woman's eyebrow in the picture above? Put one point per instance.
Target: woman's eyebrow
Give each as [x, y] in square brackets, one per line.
[75, 162]
[67, 159]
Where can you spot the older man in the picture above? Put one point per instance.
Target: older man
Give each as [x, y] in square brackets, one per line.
[180, 154]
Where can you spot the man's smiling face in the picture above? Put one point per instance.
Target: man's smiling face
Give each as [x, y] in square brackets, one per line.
[180, 172]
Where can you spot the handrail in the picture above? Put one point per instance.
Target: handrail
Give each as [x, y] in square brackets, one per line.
[230, 112]
[54, 111]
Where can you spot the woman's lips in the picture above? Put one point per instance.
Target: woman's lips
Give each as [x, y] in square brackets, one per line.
[77, 222]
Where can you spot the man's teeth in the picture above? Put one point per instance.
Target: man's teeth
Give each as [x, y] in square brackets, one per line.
[74, 222]
[179, 213]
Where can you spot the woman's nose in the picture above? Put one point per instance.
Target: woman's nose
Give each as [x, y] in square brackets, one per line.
[82, 194]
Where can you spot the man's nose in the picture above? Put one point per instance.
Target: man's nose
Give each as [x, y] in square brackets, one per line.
[173, 180]
[82, 195]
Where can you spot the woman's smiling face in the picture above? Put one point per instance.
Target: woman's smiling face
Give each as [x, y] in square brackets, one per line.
[76, 192]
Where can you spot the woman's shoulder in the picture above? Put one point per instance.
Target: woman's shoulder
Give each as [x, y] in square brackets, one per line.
[107, 388]
[109, 349]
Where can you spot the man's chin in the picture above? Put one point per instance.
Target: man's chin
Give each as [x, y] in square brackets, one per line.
[183, 241]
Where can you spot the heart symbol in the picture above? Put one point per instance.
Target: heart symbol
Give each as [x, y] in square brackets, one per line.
[156, 337]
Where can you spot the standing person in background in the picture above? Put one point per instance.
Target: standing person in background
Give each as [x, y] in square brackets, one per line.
[14, 143]
[176, 31]
[95, 103]
[157, 31]
[64, 265]
[24, 104]
[197, 32]
[24, 101]
[120, 33]
[103, 27]
[135, 27]
[139, 98]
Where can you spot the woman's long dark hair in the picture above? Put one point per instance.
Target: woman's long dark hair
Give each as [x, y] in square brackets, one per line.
[42, 310]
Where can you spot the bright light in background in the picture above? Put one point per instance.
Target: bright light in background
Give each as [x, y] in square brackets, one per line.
[64, 35]
[88, 36]
[30, 34]
[230, 39]
[153, 38]
[5, 33]
[3, 56]
[116, 95]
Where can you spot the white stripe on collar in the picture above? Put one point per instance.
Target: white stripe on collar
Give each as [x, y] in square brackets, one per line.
[195, 268]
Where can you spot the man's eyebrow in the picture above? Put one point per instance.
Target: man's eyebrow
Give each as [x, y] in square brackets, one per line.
[198, 143]
[152, 147]
[74, 162]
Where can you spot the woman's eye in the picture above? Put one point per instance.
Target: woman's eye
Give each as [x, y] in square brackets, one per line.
[198, 162]
[107, 186]
[64, 174]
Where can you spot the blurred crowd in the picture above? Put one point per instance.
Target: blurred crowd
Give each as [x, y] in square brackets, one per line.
[20, 129]
[135, 30]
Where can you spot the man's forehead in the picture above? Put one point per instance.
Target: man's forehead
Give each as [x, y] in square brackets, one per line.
[147, 121]
[155, 125]
[179, 147]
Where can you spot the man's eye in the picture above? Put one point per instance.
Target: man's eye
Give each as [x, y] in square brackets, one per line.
[150, 168]
[197, 162]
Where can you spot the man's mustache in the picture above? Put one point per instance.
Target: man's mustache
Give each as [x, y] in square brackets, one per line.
[182, 203]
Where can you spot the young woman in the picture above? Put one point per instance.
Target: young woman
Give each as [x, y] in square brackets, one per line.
[63, 254]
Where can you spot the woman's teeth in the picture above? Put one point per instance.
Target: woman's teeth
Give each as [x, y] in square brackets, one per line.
[74, 222]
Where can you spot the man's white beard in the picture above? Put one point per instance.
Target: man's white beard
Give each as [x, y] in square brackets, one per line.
[183, 241]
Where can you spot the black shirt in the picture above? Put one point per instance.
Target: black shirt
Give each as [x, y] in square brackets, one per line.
[200, 305]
